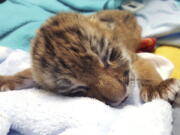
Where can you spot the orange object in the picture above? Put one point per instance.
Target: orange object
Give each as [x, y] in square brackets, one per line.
[147, 45]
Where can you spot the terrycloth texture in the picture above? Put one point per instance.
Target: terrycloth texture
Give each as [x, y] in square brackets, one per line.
[37, 112]
[173, 54]
[21, 18]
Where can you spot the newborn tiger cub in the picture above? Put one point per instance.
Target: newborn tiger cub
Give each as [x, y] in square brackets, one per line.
[93, 56]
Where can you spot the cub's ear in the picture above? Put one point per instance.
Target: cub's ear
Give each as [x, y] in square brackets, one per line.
[162, 65]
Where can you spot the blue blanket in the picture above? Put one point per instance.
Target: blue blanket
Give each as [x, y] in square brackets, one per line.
[19, 19]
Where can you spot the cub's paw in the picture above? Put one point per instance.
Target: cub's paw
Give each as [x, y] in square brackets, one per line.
[166, 90]
[8, 83]
[169, 88]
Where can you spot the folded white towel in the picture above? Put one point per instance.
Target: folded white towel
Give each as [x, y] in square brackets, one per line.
[37, 112]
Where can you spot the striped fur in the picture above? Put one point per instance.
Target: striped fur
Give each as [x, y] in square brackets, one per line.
[71, 53]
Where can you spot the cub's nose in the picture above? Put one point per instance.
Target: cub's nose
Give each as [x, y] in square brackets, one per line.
[116, 103]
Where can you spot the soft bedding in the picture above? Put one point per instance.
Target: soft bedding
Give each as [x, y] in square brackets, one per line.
[160, 19]
[21, 18]
[19, 21]
[37, 112]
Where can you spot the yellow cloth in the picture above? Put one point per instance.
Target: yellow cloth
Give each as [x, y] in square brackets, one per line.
[173, 54]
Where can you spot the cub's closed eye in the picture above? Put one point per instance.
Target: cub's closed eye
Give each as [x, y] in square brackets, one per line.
[77, 94]
[126, 77]
[79, 91]
[126, 73]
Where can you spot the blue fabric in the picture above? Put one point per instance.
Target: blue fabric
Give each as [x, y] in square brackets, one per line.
[12, 132]
[21, 18]
[160, 19]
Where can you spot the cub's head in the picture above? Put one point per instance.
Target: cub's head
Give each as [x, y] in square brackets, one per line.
[74, 56]
[108, 78]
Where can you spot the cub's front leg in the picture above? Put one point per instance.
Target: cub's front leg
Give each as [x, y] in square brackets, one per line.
[151, 84]
[20, 80]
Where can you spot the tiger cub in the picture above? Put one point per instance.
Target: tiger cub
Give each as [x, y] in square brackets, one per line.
[93, 56]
